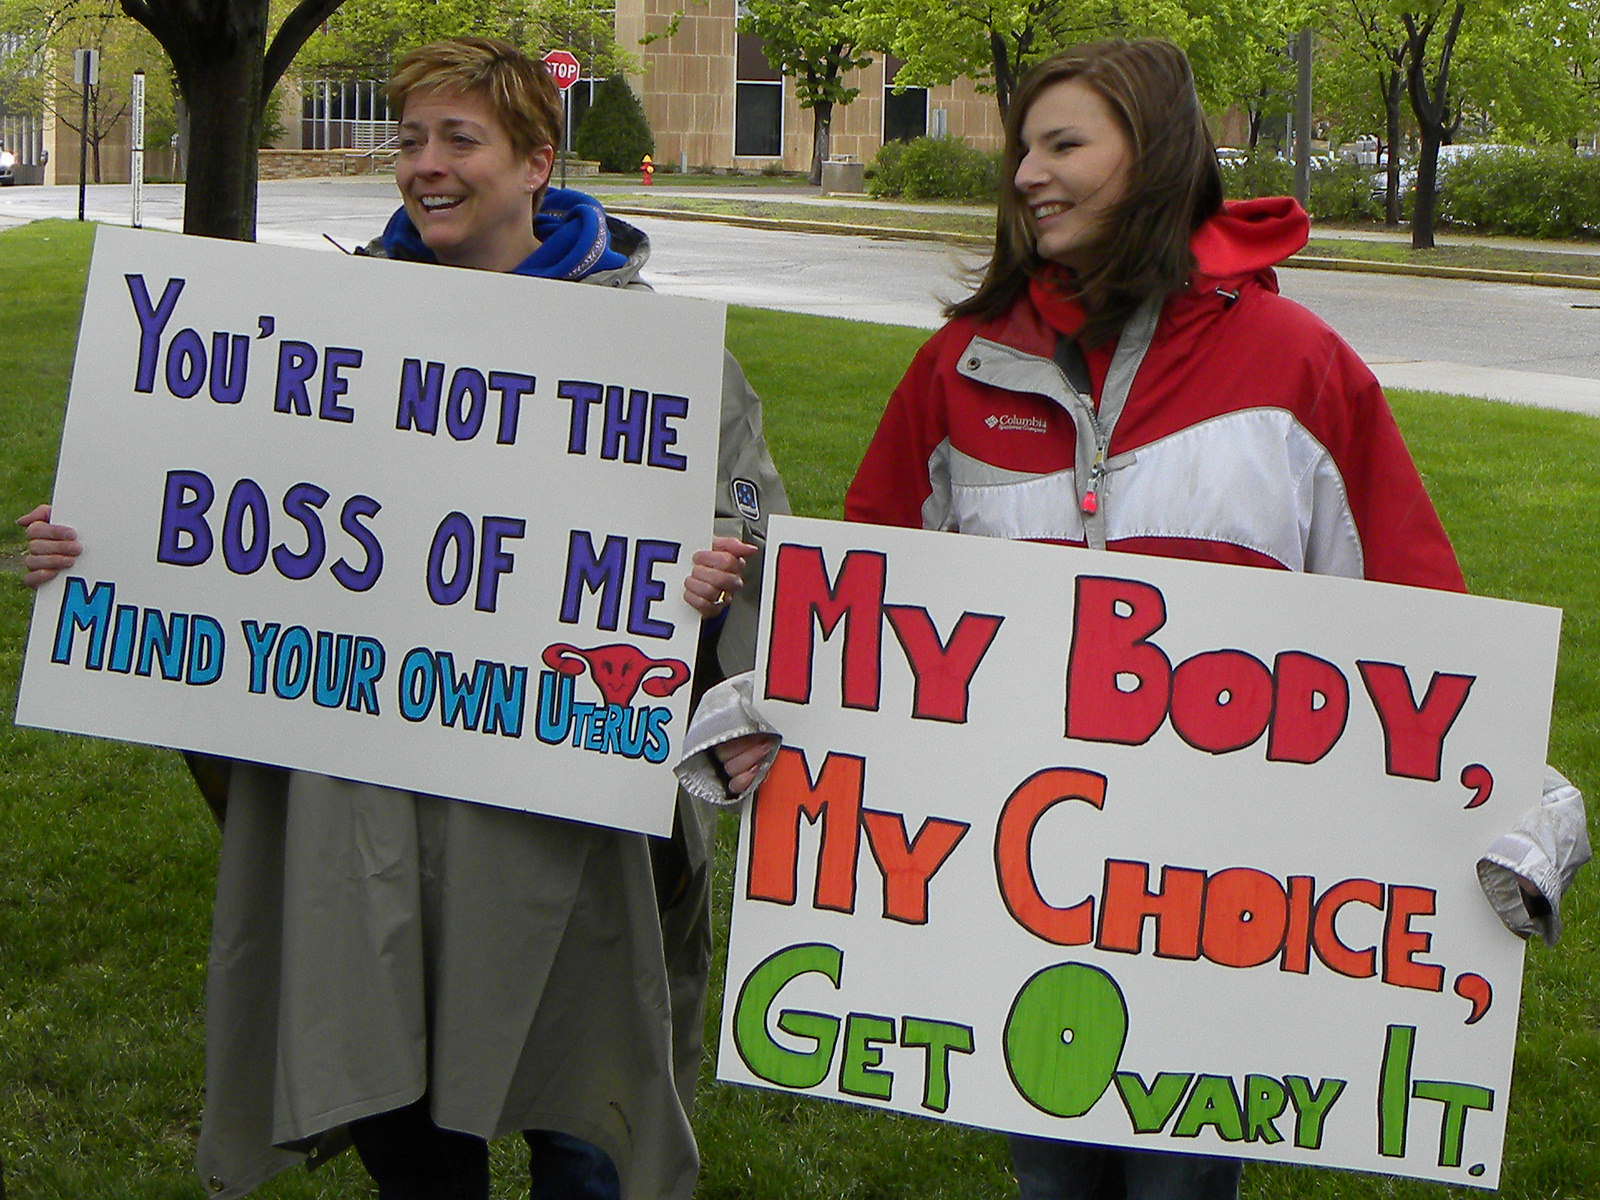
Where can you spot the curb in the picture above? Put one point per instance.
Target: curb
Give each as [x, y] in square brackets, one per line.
[1308, 261]
[790, 225]
[1481, 274]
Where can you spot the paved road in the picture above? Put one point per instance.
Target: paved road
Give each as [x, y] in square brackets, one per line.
[1508, 342]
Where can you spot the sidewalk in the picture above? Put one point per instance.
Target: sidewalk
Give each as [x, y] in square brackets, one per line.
[319, 214]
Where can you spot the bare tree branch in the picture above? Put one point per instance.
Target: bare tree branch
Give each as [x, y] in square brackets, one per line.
[300, 24]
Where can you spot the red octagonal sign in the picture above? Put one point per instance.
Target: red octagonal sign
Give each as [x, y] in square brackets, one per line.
[563, 68]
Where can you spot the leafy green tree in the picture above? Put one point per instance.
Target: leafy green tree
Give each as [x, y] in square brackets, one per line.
[1520, 71]
[1365, 47]
[36, 76]
[225, 66]
[992, 42]
[1428, 87]
[218, 56]
[614, 131]
[365, 37]
[1529, 73]
[1235, 46]
[814, 42]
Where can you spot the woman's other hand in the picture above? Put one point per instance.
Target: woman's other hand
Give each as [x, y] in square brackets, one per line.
[741, 758]
[717, 574]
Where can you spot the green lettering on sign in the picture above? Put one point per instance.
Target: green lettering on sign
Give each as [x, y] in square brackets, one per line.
[765, 1057]
[1064, 1037]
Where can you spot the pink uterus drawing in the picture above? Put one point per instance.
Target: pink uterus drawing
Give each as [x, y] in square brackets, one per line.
[619, 670]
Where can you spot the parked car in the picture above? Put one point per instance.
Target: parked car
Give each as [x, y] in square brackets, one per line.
[8, 167]
[1448, 156]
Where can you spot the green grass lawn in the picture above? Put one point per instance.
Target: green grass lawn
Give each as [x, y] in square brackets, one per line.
[106, 851]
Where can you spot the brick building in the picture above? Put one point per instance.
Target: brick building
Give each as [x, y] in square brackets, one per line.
[710, 96]
[713, 100]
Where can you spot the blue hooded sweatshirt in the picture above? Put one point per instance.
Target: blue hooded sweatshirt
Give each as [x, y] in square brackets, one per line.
[574, 240]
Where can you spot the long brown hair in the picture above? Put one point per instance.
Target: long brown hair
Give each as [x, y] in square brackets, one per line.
[1174, 184]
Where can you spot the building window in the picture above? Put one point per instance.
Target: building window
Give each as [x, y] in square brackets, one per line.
[905, 113]
[758, 102]
[344, 115]
[21, 132]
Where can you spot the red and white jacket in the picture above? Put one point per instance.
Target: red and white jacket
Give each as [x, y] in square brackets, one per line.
[1251, 433]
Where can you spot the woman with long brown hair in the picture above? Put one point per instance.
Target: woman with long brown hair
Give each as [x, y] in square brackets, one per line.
[1127, 377]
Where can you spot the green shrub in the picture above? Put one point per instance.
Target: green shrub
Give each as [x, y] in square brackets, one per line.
[614, 131]
[933, 169]
[883, 172]
[1342, 191]
[1262, 174]
[1548, 192]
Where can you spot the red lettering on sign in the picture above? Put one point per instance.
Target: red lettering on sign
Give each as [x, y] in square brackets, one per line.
[1413, 734]
[1013, 854]
[802, 600]
[1112, 621]
[787, 794]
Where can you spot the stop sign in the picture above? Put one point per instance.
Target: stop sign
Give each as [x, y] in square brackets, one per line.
[563, 68]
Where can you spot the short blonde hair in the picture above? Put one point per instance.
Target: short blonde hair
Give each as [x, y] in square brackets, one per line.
[520, 90]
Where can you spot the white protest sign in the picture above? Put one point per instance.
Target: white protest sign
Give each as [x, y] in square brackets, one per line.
[1136, 851]
[412, 525]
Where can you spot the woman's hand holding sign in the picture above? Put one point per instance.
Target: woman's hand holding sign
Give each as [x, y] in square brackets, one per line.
[51, 548]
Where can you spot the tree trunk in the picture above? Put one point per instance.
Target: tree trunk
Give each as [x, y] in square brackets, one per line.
[1007, 63]
[1392, 91]
[92, 131]
[821, 137]
[1431, 106]
[217, 49]
[1425, 203]
[223, 91]
[1003, 81]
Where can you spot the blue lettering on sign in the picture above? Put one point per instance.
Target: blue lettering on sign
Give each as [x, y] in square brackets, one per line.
[635, 425]
[297, 367]
[604, 572]
[340, 670]
[620, 729]
[490, 699]
[186, 369]
[186, 538]
[181, 647]
[422, 388]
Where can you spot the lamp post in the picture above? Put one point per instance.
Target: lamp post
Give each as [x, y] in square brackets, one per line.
[86, 72]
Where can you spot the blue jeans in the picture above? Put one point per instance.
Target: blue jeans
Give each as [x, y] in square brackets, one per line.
[1050, 1170]
[411, 1158]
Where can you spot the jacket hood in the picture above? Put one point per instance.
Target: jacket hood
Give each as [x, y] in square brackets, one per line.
[575, 239]
[1248, 237]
